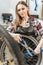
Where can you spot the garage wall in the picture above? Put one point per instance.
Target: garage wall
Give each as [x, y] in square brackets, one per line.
[7, 6]
[32, 5]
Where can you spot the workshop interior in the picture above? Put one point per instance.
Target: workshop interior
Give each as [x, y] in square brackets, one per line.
[12, 53]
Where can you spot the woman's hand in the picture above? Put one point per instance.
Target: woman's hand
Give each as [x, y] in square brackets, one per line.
[17, 37]
[37, 50]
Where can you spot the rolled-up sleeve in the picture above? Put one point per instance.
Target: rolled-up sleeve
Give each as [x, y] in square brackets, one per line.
[39, 27]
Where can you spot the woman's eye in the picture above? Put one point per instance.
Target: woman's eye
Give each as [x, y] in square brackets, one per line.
[18, 9]
[23, 8]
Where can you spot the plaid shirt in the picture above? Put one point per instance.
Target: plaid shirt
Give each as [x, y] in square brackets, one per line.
[37, 26]
[35, 23]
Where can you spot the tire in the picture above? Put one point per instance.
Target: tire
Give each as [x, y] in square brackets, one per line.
[15, 56]
[32, 44]
[16, 50]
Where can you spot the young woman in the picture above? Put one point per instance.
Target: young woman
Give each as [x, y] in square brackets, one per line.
[23, 19]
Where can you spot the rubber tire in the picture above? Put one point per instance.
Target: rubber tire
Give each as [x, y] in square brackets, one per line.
[13, 46]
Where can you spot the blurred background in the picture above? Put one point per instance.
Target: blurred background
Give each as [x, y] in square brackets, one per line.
[7, 9]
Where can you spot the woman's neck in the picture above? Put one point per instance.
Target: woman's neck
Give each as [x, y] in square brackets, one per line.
[25, 18]
[24, 21]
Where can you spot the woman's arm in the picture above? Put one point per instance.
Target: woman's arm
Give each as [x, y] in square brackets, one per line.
[40, 29]
[11, 30]
[37, 49]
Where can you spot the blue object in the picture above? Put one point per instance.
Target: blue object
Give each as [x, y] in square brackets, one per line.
[35, 5]
[28, 53]
[33, 53]
[41, 50]
[22, 41]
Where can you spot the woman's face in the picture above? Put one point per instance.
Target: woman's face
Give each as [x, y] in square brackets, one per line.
[22, 10]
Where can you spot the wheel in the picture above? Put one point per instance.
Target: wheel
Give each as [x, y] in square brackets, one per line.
[28, 44]
[10, 53]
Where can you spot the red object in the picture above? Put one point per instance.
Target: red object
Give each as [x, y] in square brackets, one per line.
[39, 26]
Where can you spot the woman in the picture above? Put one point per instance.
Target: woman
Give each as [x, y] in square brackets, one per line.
[22, 18]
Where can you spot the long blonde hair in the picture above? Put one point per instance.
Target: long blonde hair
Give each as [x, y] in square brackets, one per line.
[18, 19]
